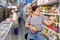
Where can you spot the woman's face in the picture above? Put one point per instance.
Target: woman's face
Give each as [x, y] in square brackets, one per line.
[37, 11]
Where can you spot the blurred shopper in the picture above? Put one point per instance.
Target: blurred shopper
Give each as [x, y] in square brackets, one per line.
[34, 23]
[19, 14]
[15, 22]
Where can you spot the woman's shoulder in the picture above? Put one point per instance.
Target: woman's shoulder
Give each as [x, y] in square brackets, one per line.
[41, 15]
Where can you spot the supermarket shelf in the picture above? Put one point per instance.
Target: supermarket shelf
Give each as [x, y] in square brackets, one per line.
[46, 35]
[51, 30]
[51, 14]
[34, 1]
[50, 3]
[57, 23]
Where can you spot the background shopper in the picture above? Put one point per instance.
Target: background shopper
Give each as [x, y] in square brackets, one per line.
[34, 23]
[15, 22]
[19, 14]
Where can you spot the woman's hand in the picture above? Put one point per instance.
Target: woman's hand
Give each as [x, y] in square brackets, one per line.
[33, 29]
[30, 27]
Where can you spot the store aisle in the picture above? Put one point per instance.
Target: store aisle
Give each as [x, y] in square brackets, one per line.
[21, 34]
[22, 31]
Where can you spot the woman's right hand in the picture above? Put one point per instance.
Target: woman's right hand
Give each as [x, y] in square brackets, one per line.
[31, 28]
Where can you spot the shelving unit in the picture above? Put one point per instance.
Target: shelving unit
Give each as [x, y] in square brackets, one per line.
[54, 23]
[52, 14]
[47, 2]
[57, 23]
[51, 31]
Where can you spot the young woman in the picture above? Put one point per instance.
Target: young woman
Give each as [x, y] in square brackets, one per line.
[34, 23]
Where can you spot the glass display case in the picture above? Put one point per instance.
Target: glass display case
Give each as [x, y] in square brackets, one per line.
[5, 28]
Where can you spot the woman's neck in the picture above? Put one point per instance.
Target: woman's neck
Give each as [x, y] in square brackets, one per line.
[34, 15]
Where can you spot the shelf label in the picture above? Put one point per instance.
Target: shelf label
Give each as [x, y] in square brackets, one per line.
[45, 2]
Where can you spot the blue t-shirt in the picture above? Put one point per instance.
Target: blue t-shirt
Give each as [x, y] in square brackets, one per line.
[37, 22]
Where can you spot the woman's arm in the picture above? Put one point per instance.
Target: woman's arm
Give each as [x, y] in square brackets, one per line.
[27, 25]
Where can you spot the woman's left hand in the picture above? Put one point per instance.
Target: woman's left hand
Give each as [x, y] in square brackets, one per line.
[34, 30]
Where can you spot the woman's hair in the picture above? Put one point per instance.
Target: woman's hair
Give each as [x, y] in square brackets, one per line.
[34, 8]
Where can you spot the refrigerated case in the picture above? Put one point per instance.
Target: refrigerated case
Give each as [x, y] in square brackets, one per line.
[5, 30]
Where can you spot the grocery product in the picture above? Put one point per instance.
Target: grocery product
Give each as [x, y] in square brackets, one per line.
[45, 30]
[52, 10]
[34, 30]
[52, 27]
[54, 37]
[54, 24]
[59, 19]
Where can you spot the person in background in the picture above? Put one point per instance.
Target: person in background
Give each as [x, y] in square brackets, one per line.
[15, 22]
[15, 17]
[34, 23]
[19, 14]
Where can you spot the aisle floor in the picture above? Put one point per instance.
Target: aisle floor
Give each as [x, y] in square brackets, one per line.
[21, 34]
